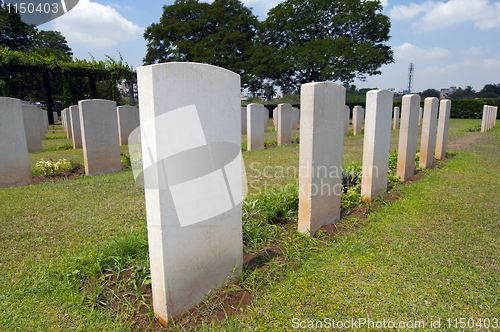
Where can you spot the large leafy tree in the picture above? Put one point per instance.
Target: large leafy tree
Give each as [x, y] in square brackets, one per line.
[490, 91]
[221, 34]
[15, 35]
[316, 40]
[47, 43]
[430, 93]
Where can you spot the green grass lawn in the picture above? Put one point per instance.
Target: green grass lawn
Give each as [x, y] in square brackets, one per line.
[432, 254]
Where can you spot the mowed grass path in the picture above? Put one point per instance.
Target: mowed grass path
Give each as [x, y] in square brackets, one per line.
[445, 226]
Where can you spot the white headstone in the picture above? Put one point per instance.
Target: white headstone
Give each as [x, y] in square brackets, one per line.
[15, 167]
[358, 114]
[395, 121]
[244, 120]
[266, 119]
[56, 117]
[255, 135]
[191, 136]
[100, 141]
[74, 120]
[420, 114]
[295, 118]
[41, 122]
[377, 142]
[484, 125]
[442, 129]
[31, 115]
[128, 120]
[321, 154]
[428, 139]
[69, 132]
[284, 124]
[346, 120]
[408, 135]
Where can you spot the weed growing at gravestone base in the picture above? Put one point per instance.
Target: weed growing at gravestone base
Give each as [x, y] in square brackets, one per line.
[125, 159]
[49, 167]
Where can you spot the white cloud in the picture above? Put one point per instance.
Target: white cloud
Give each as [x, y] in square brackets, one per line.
[408, 51]
[440, 15]
[488, 64]
[401, 12]
[94, 25]
[474, 51]
[441, 70]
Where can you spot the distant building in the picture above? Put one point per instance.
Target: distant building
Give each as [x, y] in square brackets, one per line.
[446, 93]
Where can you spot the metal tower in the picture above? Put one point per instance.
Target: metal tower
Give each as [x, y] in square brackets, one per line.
[410, 77]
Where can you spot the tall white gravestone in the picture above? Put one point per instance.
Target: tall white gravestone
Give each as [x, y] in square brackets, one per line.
[442, 129]
[284, 121]
[74, 120]
[63, 120]
[377, 142]
[31, 115]
[266, 119]
[191, 147]
[100, 142]
[41, 122]
[408, 134]
[56, 117]
[295, 118]
[255, 135]
[428, 139]
[128, 120]
[358, 114]
[420, 114]
[15, 167]
[244, 120]
[69, 132]
[275, 118]
[395, 123]
[321, 154]
[346, 120]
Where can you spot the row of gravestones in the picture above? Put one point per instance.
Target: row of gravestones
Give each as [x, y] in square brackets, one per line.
[97, 126]
[489, 117]
[253, 114]
[191, 139]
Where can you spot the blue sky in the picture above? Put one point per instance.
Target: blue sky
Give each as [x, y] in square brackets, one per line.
[451, 42]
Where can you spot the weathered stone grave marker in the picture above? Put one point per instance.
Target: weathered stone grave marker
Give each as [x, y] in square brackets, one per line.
[408, 134]
[255, 135]
[442, 129]
[321, 154]
[428, 139]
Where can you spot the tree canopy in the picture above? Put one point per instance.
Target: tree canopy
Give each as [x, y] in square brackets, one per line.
[430, 93]
[301, 40]
[490, 91]
[220, 34]
[318, 40]
[467, 93]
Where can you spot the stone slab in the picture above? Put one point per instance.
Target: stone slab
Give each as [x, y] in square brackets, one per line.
[190, 118]
[377, 142]
[442, 129]
[408, 135]
[284, 113]
[31, 115]
[243, 120]
[74, 120]
[15, 169]
[128, 120]
[255, 135]
[358, 114]
[100, 141]
[395, 121]
[428, 139]
[321, 154]
[347, 119]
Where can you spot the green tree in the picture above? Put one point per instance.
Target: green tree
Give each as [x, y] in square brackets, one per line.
[221, 34]
[468, 93]
[490, 91]
[15, 35]
[318, 40]
[47, 43]
[430, 93]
